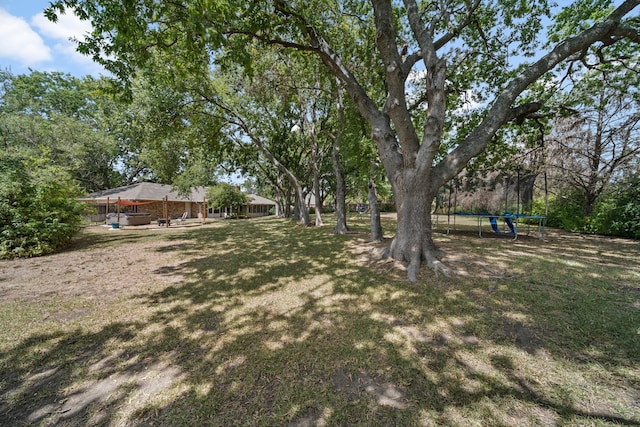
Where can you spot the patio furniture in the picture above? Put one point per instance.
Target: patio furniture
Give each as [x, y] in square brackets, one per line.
[182, 218]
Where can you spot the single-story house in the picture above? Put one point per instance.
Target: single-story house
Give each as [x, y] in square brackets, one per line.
[156, 199]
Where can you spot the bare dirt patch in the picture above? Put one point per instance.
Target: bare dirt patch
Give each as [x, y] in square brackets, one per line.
[114, 267]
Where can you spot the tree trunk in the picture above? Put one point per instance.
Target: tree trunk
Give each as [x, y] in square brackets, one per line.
[316, 192]
[341, 205]
[301, 211]
[374, 207]
[590, 198]
[413, 241]
[527, 188]
[280, 197]
[592, 192]
[288, 202]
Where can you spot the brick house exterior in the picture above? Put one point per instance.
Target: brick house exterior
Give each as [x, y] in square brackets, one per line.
[154, 197]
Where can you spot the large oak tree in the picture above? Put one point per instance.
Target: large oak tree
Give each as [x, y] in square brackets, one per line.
[431, 58]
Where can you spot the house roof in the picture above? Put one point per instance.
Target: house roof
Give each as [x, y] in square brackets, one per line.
[150, 191]
[146, 191]
[259, 200]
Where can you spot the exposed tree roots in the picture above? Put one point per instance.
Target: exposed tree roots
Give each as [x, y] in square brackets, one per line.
[414, 256]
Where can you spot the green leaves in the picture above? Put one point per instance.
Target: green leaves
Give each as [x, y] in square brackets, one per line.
[577, 17]
[63, 118]
[38, 210]
[226, 196]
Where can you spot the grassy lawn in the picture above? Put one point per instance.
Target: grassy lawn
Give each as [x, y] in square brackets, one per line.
[264, 323]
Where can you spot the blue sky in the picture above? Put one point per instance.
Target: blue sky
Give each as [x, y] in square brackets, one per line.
[29, 40]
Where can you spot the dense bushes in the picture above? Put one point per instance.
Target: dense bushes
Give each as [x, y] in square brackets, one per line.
[565, 211]
[38, 210]
[617, 211]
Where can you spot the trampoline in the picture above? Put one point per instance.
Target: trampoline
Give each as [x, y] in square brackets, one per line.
[511, 221]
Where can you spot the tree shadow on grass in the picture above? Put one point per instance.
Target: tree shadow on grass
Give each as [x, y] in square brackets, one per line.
[269, 324]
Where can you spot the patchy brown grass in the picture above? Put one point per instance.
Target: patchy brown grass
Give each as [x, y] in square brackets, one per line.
[263, 323]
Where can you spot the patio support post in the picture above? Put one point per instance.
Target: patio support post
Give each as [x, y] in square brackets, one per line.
[166, 211]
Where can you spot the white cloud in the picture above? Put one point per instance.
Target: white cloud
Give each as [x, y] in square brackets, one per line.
[64, 32]
[20, 43]
[68, 26]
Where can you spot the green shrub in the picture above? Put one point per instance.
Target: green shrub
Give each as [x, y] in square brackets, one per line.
[566, 212]
[618, 210]
[387, 207]
[38, 210]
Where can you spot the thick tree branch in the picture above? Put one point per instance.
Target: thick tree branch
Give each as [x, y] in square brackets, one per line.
[435, 90]
[501, 111]
[269, 40]
[396, 103]
[521, 112]
[379, 121]
[627, 31]
[423, 36]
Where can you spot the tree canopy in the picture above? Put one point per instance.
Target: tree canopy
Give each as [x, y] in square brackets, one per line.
[223, 195]
[63, 118]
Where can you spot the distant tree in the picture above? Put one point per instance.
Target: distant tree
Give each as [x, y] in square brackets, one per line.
[55, 145]
[594, 144]
[64, 119]
[164, 136]
[225, 195]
